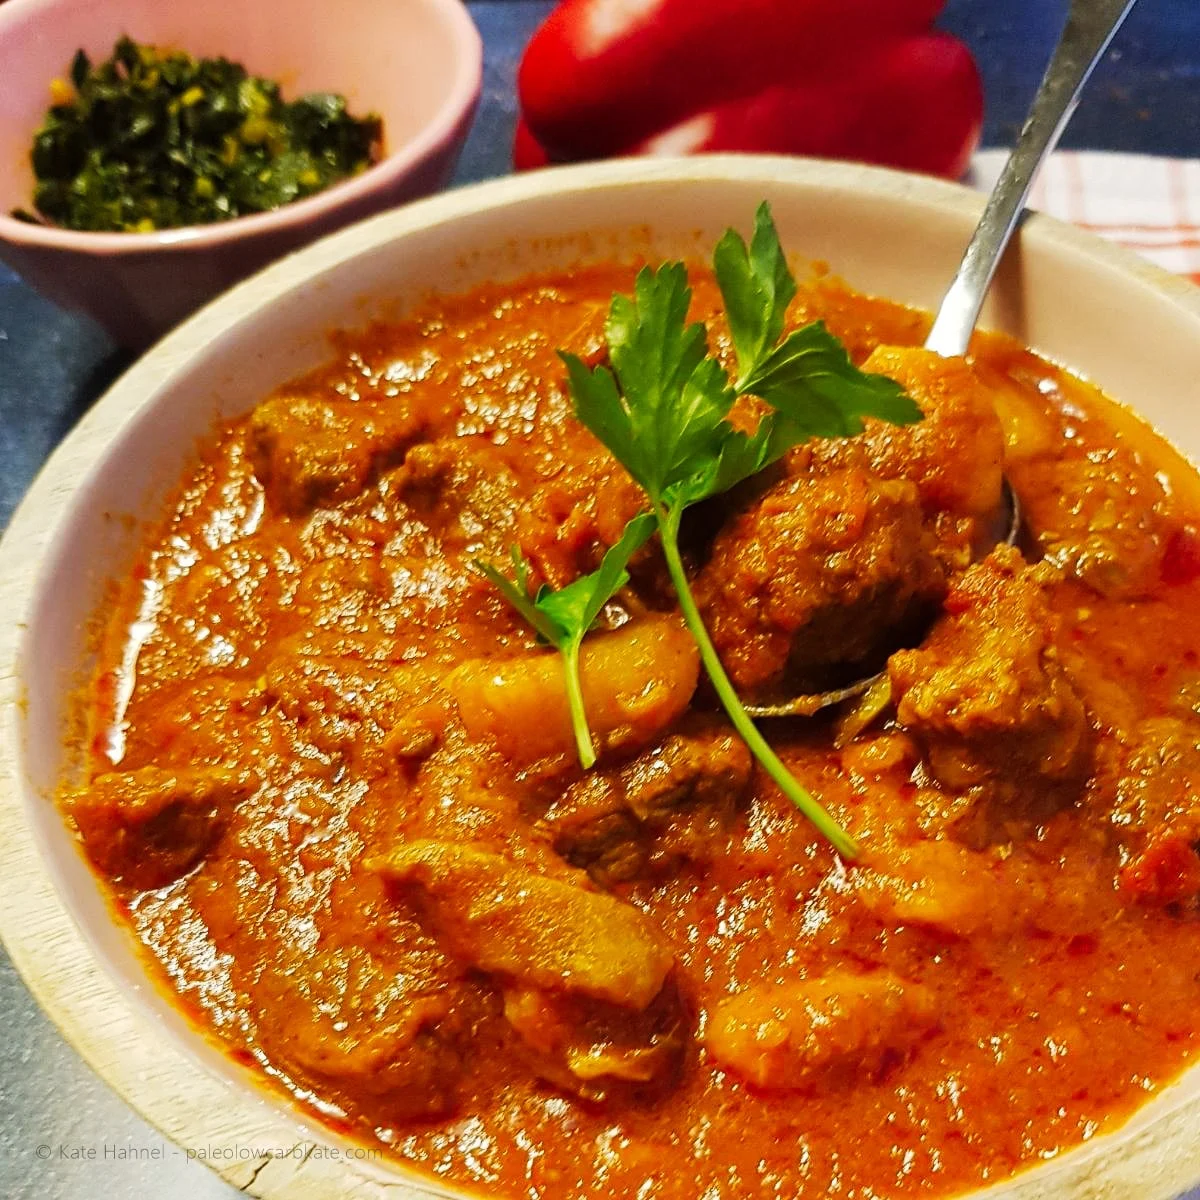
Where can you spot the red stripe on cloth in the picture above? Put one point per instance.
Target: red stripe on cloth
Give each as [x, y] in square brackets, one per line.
[1184, 230]
[1037, 194]
[1187, 243]
[1177, 188]
[1075, 191]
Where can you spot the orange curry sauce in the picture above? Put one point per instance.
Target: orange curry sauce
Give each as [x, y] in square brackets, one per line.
[269, 726]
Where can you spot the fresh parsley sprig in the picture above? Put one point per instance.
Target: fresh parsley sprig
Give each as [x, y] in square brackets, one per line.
[563, 617]
[662, 403]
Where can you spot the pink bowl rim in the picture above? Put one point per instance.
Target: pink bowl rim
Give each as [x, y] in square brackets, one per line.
[460, 97]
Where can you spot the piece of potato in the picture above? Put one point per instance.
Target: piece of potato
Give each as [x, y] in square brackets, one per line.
[955, 455]
[827, 1030]
[543, 933]
[937, 884]
[636, 682]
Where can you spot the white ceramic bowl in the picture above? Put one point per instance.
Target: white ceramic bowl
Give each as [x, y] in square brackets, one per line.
[1130, 327]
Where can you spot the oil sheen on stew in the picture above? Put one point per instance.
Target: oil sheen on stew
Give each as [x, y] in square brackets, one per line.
[332, 786]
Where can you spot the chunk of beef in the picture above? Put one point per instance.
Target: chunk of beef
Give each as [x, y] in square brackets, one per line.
[468, 490]
[636, 682]
[310, 452]
[528, 929]
[954, 455]
[826, 1031]
[821, 570]
[1103, 518]
[584, 976]
[935, 884]
[349, 1020]
[149, 826]
[672, 804]
[985, 694]
[363, 710]
[831, 563]
[1157, 812]
[595, 1050]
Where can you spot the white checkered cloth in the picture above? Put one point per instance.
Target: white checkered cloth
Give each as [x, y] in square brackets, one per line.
[1151, 205]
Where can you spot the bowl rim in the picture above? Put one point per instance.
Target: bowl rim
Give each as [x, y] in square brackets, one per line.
[461, 94]
[37, 927]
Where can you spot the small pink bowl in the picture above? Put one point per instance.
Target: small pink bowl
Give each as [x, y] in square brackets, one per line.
[418, 63]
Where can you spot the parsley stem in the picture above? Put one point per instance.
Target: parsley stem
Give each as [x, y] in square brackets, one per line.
[668, 528]
[579, 721]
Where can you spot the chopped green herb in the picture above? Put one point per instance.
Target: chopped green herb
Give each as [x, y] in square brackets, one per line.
[562, 617]
[155, 139]
[661, 407]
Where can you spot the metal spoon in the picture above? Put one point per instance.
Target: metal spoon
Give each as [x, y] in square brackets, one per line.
[1090, 27]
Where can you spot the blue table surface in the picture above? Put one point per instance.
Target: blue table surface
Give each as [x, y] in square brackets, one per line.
[1145, 98]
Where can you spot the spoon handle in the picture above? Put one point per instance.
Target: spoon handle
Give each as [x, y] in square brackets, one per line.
[1089, 29]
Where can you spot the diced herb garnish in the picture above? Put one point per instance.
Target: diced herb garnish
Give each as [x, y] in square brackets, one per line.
[562, 617]
[154, 139]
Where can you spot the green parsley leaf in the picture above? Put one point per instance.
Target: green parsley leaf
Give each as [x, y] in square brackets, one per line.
[575, 608]
[661, 406]
[516, 592]
[744, 455]
[655, 408]
[562, 617]
[810, 378]
[756, 286]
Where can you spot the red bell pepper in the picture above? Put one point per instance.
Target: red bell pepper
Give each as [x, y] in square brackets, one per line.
[916, 104]
[527, 152]
[894, 96]
[601, 75]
